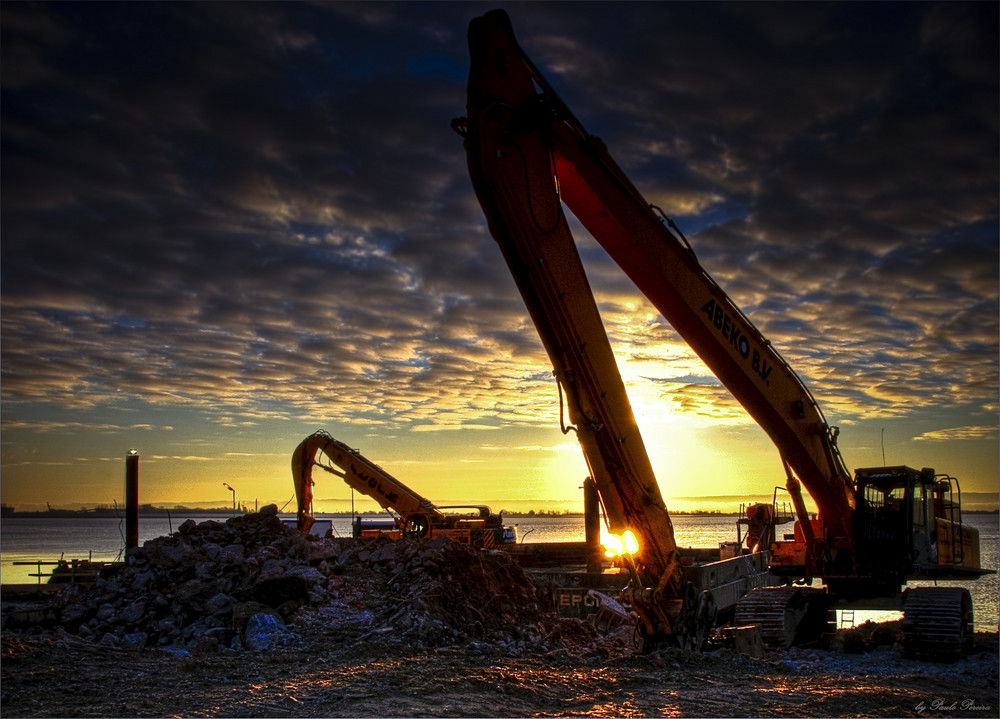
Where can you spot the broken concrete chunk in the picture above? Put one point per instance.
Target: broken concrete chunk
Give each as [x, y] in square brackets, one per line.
[133, 613]
[232, 553]
[324, 549]
[134, 640]
[306, 573]
[263, 631]
[218, 604]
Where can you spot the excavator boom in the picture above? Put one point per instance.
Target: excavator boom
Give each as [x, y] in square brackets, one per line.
[360, 473]
[525, 144]
[511, 168]
[514, 141]
[417, 517]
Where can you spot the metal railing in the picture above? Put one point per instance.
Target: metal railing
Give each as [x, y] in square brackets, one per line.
[68, 571]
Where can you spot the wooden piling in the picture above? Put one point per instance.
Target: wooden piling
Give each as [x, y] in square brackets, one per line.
[131, 500]
[592, 525]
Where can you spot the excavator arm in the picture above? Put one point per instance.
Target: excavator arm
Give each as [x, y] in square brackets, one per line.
[527, 154]
[360, 473]
[666, 270]
[511, 167]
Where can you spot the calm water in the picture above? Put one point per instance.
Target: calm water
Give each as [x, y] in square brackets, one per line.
[103, 538]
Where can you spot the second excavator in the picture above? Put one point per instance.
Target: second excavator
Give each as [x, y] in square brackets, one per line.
[414, 516]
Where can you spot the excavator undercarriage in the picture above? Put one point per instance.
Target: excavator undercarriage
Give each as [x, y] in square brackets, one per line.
[937, 621]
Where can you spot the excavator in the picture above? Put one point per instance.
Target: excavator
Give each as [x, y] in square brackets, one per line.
[528, 155]
[414, 515]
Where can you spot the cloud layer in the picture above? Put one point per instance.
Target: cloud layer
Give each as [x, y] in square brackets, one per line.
[252, 210]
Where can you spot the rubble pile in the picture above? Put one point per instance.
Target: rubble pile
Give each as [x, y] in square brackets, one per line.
[253, 583]
[200, 586]
[449, 592]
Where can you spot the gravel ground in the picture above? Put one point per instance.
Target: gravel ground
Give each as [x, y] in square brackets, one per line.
[325, 673]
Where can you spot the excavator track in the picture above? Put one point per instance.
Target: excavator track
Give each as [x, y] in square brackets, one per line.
[937, 622]
[783, 615]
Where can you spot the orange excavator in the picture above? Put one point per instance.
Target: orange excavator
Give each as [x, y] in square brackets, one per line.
[527, 156]
[414, 515]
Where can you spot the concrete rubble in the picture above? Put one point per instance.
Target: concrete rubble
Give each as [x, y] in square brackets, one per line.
[253, 584]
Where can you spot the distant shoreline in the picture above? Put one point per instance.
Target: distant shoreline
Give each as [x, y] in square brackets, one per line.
[148, 511]
[164, 511]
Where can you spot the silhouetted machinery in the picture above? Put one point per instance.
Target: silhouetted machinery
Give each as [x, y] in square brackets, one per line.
[415, 515]
[527, 155]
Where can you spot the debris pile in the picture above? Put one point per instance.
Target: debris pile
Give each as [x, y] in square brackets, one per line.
[251, 583]
[448, 592]
[198, 587]
[870, 637]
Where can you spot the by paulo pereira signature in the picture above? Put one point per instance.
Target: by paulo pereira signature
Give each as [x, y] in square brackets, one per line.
[947, 705]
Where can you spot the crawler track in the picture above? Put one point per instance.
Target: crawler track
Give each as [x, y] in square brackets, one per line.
[779, 612]
[937, 622]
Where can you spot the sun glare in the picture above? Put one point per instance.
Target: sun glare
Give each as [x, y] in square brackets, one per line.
[615, 546]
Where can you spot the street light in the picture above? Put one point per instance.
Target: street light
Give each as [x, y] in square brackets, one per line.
[234, 496]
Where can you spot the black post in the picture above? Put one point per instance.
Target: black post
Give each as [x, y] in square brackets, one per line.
[592, 525]
[131, 500]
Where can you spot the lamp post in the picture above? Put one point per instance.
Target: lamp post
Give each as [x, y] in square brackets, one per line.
[234, 496]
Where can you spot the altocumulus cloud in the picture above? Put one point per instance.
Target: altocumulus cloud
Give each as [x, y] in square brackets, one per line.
[217, 205]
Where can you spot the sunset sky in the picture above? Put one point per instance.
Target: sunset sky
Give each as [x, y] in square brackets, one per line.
[228, 225]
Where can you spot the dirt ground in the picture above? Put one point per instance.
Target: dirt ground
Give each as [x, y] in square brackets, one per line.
[328, 673]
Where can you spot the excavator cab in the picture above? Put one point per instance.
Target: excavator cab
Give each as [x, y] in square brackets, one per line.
[890, 529]
[909, 524]
[416, 525]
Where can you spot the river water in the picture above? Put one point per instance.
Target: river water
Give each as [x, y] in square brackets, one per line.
[102, 538]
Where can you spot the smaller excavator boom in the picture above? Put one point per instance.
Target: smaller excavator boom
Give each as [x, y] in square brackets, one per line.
[418, 516]
[360, 473]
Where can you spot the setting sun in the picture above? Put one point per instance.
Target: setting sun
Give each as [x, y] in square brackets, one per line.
[619, 546]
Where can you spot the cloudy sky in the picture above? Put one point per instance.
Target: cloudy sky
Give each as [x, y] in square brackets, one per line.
[228, 225]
